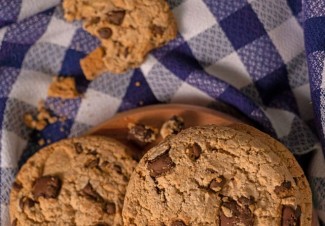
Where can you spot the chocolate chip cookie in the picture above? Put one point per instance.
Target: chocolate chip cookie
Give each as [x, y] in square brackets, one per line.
[79, 181]
[213, 175]
[128, 30]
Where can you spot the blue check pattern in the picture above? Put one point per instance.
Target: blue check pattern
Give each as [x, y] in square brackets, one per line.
[252, 55]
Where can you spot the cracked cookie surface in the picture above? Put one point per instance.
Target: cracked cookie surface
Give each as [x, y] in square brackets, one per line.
[213, 175]
[127, 29]
[79, 181]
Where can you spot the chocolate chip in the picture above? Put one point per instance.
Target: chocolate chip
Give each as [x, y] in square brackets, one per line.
[110, 208]
[141, 134]
[118, 169]
[157, 30]
[126, 52]
[14, 223]
[92, 163]
[89, 192]
[78, 148]
[102, 224]
[194, 151]
[105, 32]
[217, 184]
[26, 202]
[47, 187]
[233, 214]
[16, 186]
[178, 223]
[160, 165]
[290, 216]
[246, 201]
[94, 20]
[285, 186]
[116, 17]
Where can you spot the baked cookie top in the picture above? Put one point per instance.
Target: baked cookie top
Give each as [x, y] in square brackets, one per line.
[79, 181]
[128, 29]
[214, 175]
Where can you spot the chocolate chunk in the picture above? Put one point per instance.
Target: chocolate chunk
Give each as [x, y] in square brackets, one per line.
[94, 20]
[105, 32]
[78, 148]
[92, 163]
[110, 208]
[102, 224]
[246, 201]
[118, 169]
[116, 17]
[160, 165]
[26, 202]
[141, 134]
[233, 214]
[194, 151]
[126, 52]
[47, 187]
[14, 223]
[16, 186]
[290, 216]
[157, 30]
[285, 186]
[89, 192]
[217, 184]
[178, 223]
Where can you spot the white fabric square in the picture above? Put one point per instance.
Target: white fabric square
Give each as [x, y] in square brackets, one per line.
[188, 94]
[281, 120]
[96, 107]
[5, 215]
[303, 99]
[148, 64]
[231, 70]
[32, 7]
[11, 151]
[193, 17]
[78, 129]
[59, 32]
[25, 86]
[2, 34]
[288, 39]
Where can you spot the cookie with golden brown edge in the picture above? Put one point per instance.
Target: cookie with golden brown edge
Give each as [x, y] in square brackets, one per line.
[215, 175]
[78, 181]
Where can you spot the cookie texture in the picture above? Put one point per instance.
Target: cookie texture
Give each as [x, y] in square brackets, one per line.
[212, 175]
[127, 29]
[79, 181]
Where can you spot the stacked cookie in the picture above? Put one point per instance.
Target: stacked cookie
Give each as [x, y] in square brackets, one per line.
[208, 175]
[79, 181]
[128, 30]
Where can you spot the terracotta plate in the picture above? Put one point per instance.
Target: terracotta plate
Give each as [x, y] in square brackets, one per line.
[155, 116]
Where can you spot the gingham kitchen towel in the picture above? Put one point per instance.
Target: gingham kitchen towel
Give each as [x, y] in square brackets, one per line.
[253, 55]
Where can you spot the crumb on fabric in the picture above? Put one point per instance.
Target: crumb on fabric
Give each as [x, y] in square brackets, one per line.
[41, 120]
[63, 87]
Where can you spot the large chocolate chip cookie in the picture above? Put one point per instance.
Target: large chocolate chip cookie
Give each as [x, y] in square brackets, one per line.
[79, 181]
[215, 175]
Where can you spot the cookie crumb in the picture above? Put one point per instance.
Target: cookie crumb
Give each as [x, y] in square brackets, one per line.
[41, 142]
[141, 134]
[41, 120]
[137, 84]
[63, 87]
[172, 126]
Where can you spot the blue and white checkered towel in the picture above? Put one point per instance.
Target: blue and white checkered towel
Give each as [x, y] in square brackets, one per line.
[254, 55]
